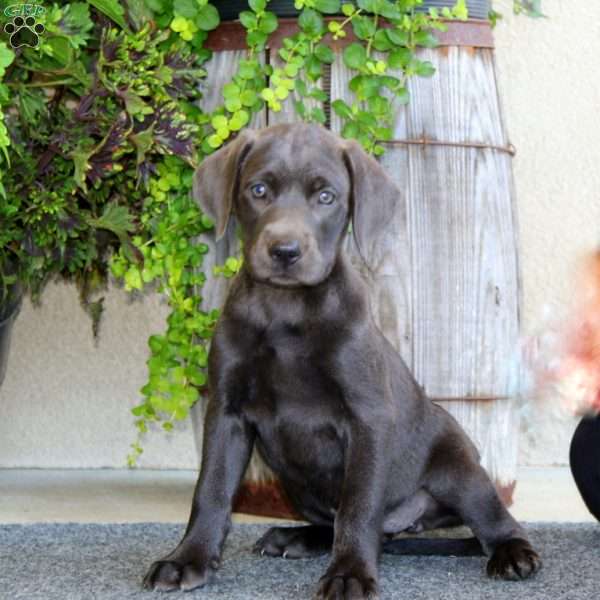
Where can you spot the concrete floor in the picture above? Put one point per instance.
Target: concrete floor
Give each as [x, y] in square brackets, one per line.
[103, 495]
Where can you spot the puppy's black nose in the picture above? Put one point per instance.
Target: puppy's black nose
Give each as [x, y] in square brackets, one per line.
[286, 253]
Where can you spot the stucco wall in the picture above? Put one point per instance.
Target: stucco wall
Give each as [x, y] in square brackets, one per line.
[65, 401]
[548, 79]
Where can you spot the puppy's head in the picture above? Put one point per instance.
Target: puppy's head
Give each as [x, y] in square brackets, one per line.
[293, 189]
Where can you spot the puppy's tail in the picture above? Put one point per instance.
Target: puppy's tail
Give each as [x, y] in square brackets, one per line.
[434, 547]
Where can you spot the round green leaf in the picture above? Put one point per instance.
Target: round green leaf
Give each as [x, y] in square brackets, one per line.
[426, 39]
[219, 121]
[247, 69]
[381, 41]
[133, 278]
[389, 10]
[424, 68]
[402, 95]
[314, 68]
[363, 27]
[186, 8]
[208, 18]
[301, 87]
[232, 263]
[248, 97]
[268, 23]
[281, 93]
[399, 37]
[329, 7]
[319, 94]
[324, 53]
[214, 141]
[366, 118]
[300, 108]
[318, 114]
[310, 21]
[399, 58]
[233, 104]
[341, 109]
[355, 56]
[268, 94]
[257, 5]
[350, 130]
[348, 9]
[290, 70]
[248, 19]
[230, 90]
[223, 132]
[238, 120]
[206, 221]
[256, 38]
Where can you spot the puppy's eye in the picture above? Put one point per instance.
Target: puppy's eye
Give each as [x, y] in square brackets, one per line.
[326, 197]
[259, 190]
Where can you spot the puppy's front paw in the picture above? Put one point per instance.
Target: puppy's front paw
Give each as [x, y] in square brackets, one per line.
[347, 583]
[184, 572]
[514, 559]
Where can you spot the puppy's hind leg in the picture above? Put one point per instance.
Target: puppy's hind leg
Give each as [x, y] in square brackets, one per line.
[296, 542]
[422, 512]
[466, 488]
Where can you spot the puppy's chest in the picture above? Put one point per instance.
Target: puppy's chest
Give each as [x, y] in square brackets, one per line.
[296, 407]
[289, 372]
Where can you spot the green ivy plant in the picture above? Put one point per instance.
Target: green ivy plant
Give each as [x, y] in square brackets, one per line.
[104, 125]
[529, 8]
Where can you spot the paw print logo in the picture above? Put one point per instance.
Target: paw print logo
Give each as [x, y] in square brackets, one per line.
[24, 32]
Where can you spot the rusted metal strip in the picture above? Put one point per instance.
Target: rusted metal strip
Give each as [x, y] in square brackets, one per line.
[231, 35]
[474, 33]
[470, 399]
[509, 149]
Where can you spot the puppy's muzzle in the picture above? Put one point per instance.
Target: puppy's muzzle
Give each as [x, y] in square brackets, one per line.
[285, 253]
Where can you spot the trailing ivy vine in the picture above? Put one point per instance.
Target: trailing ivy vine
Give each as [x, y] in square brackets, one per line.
[104, 124]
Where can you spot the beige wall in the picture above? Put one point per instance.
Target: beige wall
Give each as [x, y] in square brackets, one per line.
[65, 401]
[548, 75]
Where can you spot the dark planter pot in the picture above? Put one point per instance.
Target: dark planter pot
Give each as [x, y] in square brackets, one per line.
[9, 309]
[230, 9]
[584, 458]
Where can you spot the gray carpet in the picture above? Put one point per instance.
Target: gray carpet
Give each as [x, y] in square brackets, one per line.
[67, 562]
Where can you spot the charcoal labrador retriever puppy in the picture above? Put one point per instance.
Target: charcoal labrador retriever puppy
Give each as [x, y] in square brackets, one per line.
[298, 368]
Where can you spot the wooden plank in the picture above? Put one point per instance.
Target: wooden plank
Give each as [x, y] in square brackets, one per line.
[472, 300]
[460, 102]
[221, 68]
[465, 287]
[445, 285]
[388, 269]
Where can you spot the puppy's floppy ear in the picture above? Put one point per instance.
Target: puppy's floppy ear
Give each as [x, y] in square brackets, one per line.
[374, 196]
[216, 180]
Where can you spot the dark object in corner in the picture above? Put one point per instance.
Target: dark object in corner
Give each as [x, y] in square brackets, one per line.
[9, 309]
[584, 458]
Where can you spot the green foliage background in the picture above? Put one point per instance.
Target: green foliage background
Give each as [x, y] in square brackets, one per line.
[103, 124]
